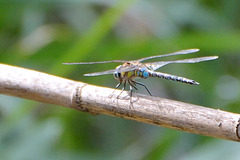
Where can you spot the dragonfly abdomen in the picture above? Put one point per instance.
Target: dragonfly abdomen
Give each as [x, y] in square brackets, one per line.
[173, 78]
[143, 73]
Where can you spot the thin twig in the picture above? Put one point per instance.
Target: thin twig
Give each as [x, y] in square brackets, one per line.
[46, 88]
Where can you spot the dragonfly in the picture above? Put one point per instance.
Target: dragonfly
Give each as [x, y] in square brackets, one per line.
[130, 70]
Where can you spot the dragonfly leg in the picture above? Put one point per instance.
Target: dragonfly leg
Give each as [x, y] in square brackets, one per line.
[131, 89]
[124, 86]
[132, 85]
[139, 83]
[119, 84]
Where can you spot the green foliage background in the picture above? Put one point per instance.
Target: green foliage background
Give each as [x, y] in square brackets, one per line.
[42, 34]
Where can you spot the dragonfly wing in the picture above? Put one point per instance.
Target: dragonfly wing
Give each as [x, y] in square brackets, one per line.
[112, 71]
[156, 65]
[114, 61]
[101, 73]
[187, 51]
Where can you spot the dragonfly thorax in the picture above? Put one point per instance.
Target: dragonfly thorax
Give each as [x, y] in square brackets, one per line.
[129, 71]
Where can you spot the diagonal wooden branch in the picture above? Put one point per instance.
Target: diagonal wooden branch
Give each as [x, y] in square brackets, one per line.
[46, 88]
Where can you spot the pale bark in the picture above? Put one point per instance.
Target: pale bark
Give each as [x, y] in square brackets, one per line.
[29, 84]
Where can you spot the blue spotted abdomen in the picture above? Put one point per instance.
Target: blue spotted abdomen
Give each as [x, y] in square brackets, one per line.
[143, 73]
[172, 77]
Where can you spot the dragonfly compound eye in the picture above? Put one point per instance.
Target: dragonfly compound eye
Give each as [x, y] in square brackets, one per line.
[117, 75]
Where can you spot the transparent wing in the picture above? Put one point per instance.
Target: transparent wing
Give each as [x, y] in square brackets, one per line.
[101, 73]
[114, 61]
[156, 65]
[112, 71]
[187, 51]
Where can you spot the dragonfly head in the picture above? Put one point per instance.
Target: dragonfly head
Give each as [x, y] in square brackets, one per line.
[117, 74]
